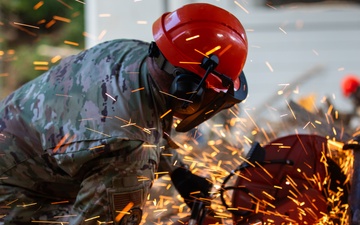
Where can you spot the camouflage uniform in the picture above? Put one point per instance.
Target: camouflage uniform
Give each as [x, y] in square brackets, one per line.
[80, 142]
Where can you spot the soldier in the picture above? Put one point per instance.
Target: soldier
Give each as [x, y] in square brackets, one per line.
[80, 144]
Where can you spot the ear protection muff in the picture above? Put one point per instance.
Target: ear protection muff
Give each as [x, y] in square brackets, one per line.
[186, 93]
[185, 86]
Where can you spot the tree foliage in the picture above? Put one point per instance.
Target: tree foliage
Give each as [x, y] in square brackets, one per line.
[27, 28]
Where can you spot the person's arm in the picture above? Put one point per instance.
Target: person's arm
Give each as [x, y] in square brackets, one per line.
[189, 185]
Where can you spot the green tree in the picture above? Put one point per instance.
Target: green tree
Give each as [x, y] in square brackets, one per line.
[34, 31]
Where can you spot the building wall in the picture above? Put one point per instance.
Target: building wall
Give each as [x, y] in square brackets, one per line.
[297, 50]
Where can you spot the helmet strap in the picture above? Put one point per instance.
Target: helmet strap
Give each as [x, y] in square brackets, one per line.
[209, 64]
[160, 59]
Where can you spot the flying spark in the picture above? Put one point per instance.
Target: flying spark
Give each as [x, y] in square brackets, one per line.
[62, 19]
[192, 38]
[38, 5]
[110, 97]
[71, 43]
[243, 8]
[26, 25]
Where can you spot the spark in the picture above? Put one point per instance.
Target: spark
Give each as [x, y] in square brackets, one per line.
[61, 202]
[161, 173]
[210, 111]
[38, 5]
[139, 89]
[292, 112]
[306, 125]
[270, 6]
[45, 221]
[55, 59]
[97, 147]
[315, 52]
[12, 202]
[195, 63]
[334, 131]
[269, 66]
[26, 25]
[62, 19]
[105, 15]
[110, 97]
[43, 68]
[146, 130]
[142, 22]
[24, 30]
[160, 210]
[282, 30]
[50, 23]
[192, 38]
[142, 178]
[317, 121]
[97, 132]
[41, 21]
[92, 218]
[225, 49]
[265, 170]
[62, 95]
[124, 211]
[102, 34]
[213, 50]
[61, 142]
[65, 216]
[66, 5]
[331, 107]
[26, 205]
[71, 43]
[285, 146]
[163, 115]
[198, 51]
[149, 146]
[129, 124]
[43, 63]
[238, 4]
[181, 99]
[251, 119]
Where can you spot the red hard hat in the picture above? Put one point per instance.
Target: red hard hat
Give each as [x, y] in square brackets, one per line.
[349, 85]
[193, 31]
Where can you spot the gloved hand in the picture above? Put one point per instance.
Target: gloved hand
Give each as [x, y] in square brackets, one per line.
[191, 186]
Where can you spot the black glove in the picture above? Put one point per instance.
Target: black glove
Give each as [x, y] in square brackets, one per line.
[189, 185]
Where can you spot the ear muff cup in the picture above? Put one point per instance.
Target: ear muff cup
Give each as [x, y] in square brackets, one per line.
[182, 88]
